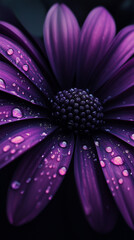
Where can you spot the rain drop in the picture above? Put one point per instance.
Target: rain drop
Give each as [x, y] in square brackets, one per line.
[17, 139]
[117, 160]
[17, 113]
[6, 148]
[63, 144]
[84, 147]
[62, 171]
[15, 185]
[120, 180]
[2, 83]
[132, 136]
[108, 149]
[125, 173]
[10, 51]
[25, 67]
[102, 163]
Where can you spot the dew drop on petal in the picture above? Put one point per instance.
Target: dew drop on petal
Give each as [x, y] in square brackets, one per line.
[108, 149]
[120, 180]
[84, 147]
[102, 163]
[25, 67]
[117, 160]
[62, 171]
[17, 113]
[6, 148]
[125, 173]
[17, 139]
[63, 144]
[15, 185]
[2, 83]
[132, 136]
[10, 51]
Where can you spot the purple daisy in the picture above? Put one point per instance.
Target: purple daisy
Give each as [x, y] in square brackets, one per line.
[76, 96]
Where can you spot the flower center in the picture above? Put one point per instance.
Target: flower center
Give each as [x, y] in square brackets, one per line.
[77, 110]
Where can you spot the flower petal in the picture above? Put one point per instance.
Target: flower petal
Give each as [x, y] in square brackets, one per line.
[118, 169]
[95, 197]
[120, 83]
[122, 113]
[13, 110]
[124, 131]
[121, 49]
[18, 137]
[21, 59]
[40, 174]
[61, 34]
[17, 84]
[17, 35]
[96, 35]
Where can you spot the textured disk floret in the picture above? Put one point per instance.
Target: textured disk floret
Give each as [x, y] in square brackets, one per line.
[77, 110]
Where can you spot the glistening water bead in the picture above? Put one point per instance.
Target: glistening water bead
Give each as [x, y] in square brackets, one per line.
[77, 110]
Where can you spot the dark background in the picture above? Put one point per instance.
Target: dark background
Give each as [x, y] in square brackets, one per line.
[63, 218]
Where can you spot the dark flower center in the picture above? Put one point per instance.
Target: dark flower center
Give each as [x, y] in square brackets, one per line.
[77, 110]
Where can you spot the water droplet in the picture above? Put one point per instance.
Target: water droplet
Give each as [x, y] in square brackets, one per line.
[117, 160]
[96, 143]
[6, 148]
[48, 189]
[132, 136]
[10, 51]
[17, 60]
[63, 144]
[62, 171]
[102, 163]
[15, 185]
[17, 139]
[2, 83]
[108, 149]
[25, 67]
[120, 180]
[28, 180]
[125, 173]
[44, 134]
[17, 113]
[84, 147]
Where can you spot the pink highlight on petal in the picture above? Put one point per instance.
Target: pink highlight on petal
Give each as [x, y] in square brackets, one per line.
[117, 160]
[132, 136]
[17, 139]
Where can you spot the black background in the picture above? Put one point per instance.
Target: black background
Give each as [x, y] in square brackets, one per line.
[63, 218]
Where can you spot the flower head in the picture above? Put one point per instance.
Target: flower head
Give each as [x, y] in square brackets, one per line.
[77, 96]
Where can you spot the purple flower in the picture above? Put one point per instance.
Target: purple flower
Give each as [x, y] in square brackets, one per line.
[76, 96]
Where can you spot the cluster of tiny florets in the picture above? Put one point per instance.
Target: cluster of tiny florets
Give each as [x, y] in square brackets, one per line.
[77, 110]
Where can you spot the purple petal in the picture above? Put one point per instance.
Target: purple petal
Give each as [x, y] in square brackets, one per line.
[13, 110]
[95, 197]
[121, 82]
[21, 59]
[122, 48]
[38, 177]
[61, 34]
[96, 35]
[126, 114]
[18, 36]
[124, 131]
[118, 169]
[17, 84]
[18, 137]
